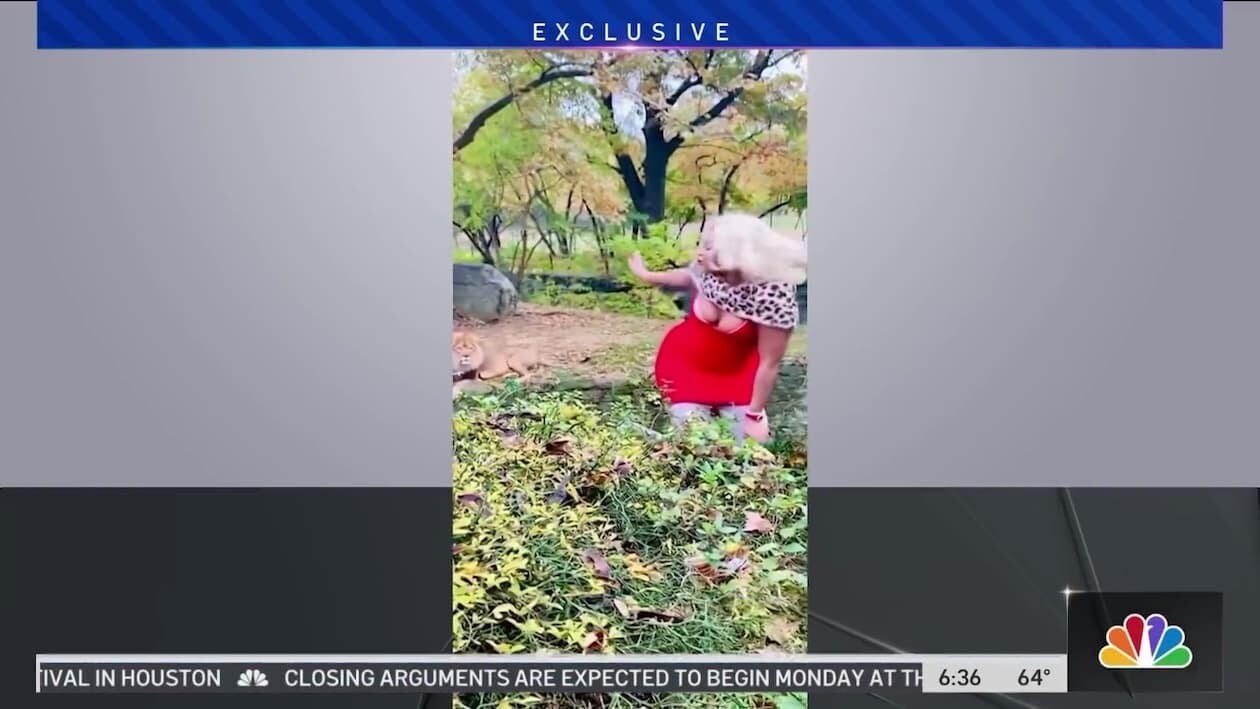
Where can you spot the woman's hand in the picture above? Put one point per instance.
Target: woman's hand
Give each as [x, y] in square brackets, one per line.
[757, 427]
[637, 268]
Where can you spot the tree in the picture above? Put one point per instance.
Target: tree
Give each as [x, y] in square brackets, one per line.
[521, 73]
[486, 203]
[526, 179]
[752, 158]
[678, 96]
[672, 97]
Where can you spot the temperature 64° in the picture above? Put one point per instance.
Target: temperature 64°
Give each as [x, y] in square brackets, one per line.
[1035, 677]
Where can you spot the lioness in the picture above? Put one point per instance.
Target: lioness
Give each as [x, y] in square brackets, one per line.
[473, 362]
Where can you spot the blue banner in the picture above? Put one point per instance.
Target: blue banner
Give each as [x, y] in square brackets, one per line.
[801, 24]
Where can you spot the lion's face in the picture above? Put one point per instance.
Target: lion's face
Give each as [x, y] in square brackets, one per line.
[466, 352]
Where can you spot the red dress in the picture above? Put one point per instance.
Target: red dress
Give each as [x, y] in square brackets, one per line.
[699, 364]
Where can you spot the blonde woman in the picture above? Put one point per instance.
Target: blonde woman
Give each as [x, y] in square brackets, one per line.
[723, 358]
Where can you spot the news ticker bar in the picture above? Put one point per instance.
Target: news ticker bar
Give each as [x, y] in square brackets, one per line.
[548, 674]
[664, 24]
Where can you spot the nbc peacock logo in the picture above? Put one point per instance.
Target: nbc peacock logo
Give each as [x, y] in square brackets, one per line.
[1145, 643]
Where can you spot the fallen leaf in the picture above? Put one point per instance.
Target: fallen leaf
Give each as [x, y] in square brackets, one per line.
[559, 446]
[506, 431]
[781, 631]
[661, 616]
[594, 641]
[560, 494]
[734, 564]
[703, 568]
[627, 607]
[761, 454]
[598, 563]
[754, 522]
[622, 468]
[639, 569]
[471, 499]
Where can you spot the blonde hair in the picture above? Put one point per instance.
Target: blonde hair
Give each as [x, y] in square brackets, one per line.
[744, 243]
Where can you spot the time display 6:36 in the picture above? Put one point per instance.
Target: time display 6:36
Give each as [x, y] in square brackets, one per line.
[959, 678]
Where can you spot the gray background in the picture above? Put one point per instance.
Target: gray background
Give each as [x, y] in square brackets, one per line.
[223, 268]
[231, 268]
[1036, 267]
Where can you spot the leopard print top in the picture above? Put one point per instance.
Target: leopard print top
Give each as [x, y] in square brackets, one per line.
[772, 303]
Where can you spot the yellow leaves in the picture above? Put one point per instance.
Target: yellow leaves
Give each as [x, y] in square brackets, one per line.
[606, 569]
[502, 610]
[464, 595]
[639, 570]
[461, 526]
[781, 631]
[528, 627]
[513, 565]
[471, 570]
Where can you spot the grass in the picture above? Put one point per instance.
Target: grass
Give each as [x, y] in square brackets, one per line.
[577, 531]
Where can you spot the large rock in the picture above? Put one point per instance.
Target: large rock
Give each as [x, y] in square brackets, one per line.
[483, 293]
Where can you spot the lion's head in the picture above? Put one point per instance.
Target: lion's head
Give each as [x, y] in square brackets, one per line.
[466, 352]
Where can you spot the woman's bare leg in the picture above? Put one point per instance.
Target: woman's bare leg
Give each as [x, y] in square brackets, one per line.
[681, 413]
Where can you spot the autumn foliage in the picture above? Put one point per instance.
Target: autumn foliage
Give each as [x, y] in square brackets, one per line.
[577, 532]
[558, 151]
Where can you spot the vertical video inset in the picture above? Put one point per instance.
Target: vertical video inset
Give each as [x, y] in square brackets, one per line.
[628, 358]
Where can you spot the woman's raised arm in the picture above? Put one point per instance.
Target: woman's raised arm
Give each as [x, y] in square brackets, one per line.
[674, 278]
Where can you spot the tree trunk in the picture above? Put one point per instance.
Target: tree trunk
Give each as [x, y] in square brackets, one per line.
[645, 183]
[657, 152]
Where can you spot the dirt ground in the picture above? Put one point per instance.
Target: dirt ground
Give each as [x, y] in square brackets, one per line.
[582, 342]
[589, 348]
[587, 343]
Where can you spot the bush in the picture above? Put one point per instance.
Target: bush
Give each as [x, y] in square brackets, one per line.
[660, 252]
[645, 302]
[578, 529]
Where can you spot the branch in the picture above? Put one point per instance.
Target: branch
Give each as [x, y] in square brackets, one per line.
[763, 60]
[775, 208]
[727, 181]
[688, 84]
[548, 75]
[691, 82]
